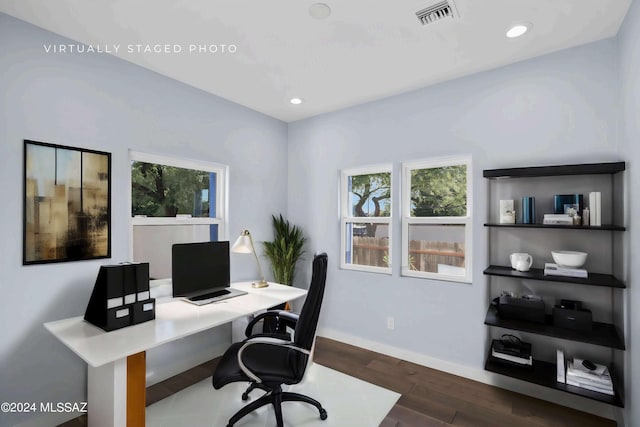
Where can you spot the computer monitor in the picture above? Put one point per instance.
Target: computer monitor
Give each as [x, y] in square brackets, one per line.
[198, 268]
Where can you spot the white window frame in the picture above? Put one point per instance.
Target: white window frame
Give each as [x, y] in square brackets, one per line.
[222, 173]
[346, 217]
[407, 220]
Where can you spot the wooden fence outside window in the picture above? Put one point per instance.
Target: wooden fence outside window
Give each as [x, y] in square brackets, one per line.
[424, 255]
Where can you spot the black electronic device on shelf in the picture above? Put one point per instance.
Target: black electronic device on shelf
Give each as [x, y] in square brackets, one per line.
[570, 315]
[120, 297]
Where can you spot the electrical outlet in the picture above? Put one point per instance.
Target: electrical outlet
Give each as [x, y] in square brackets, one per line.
[390, 323]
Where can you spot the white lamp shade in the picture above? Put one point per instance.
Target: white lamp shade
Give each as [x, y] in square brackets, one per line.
[242, 245]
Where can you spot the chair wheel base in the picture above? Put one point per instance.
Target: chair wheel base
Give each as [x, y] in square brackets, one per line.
[323, 414]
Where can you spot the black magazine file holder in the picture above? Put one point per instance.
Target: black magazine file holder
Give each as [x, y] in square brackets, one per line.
[120, 297]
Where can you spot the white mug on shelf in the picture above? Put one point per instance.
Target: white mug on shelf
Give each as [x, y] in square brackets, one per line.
[521, 261]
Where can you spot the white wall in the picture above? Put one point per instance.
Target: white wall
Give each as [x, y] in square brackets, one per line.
[556, 109]
[629, 76]
[99, 102]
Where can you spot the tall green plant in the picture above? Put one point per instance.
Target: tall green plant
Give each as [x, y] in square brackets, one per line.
[284, 250]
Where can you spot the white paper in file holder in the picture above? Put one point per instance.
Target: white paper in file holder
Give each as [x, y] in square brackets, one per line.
[114, 302]
[122, 313]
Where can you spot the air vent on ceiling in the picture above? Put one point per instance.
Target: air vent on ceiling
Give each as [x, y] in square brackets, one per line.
[437, 12]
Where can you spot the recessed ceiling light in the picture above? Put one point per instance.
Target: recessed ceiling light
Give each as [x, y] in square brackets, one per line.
[519, 29]
[319, 10]
[295, 101]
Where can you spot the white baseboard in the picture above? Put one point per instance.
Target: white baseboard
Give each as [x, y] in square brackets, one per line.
[480, 375]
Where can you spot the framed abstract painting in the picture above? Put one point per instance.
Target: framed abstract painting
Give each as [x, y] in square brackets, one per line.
[67, 204]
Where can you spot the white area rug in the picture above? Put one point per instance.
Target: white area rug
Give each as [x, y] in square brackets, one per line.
[348, 401]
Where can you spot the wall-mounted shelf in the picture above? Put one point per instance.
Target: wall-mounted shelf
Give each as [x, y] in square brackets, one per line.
[594, 279]
[559, 170]
[608, 227]
[587, 177]
[603, 334]
[544, 374]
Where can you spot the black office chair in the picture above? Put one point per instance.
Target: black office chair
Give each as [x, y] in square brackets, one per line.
[269, 360]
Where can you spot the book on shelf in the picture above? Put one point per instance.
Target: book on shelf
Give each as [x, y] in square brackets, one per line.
[560, 370]
[551, 269]
[589, 387]
[519, 354]
[598, 380]
[605, 385]
[595, 208]
[557, 219]
[514, 359]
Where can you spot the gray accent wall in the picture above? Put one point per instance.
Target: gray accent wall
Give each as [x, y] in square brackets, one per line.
[629, 77]
[103, 103]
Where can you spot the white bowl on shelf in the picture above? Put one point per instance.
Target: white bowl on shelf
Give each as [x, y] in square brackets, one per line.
[572, 259]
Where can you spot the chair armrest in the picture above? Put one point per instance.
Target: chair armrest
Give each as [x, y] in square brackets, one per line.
[288, 318]
[265, 341]
[284, 337]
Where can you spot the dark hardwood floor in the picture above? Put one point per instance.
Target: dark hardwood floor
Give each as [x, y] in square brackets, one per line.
[435, 398]
[430, 398]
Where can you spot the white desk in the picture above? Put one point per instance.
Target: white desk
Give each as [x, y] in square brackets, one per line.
[116, 374]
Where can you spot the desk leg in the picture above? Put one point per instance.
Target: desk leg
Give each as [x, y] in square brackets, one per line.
[136, 389]
[106, 394]
[116, 393]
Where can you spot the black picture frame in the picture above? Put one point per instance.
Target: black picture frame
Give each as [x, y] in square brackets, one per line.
[66, 203]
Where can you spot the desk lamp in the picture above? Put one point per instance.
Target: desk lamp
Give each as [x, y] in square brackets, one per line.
[244, 245]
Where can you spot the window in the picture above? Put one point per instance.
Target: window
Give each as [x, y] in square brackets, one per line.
[174, 201]
[436, 221]
[366, 219]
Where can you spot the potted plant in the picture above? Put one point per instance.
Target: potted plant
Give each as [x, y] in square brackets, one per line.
[284, 250]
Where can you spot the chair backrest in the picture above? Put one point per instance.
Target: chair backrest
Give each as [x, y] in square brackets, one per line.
[308, 320]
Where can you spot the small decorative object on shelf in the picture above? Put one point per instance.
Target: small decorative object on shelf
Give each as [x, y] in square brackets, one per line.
[507, 212]
[563, 202]
[520, 261]
[585, 216]
[570, 259]
[528, 210]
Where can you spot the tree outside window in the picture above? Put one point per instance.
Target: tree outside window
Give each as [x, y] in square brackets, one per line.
[366, 219]
[174, 200]
[165, 191]
[437, 228]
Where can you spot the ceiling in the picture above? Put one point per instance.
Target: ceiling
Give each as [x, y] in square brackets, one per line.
[365, 50]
